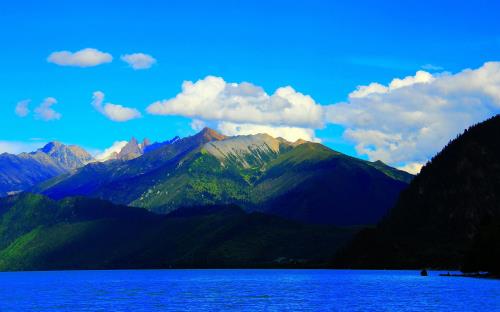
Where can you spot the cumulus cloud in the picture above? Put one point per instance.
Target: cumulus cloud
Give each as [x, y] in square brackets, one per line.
[404, 122]
[22, 109]
[212, 98]
[408, 121]
[45, 111]
[139, 60]
[114, 112]
[108, 153]
[84, 58]
[377, 88]
[291, 134]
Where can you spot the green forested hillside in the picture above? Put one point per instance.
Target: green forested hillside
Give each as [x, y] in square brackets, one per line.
[449, 216]
[38, 233]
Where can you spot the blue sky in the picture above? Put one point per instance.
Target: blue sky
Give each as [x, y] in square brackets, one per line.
[320, 48]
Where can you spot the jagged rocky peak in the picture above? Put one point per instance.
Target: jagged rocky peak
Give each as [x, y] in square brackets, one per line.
[146, 142]
[131, 150]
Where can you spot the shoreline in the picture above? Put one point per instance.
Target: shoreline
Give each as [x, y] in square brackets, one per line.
[472, 275]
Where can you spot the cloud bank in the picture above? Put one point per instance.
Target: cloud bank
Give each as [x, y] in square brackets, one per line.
[84, 58]
[404, 122]
[408, 121]
[212, 98]
[244, 108]
[291, 134]
[114, 112]
[139, 60]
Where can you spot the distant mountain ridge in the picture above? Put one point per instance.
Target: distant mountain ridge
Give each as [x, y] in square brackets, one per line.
[156, 145]
[133, 149]
[19, 172]
[301, 180]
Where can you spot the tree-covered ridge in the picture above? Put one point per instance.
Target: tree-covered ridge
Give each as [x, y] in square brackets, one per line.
[449, 216]
[38, 233]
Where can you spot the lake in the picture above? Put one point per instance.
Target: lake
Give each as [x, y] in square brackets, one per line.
[244, 290]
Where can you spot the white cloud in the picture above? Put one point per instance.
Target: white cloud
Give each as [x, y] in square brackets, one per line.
[114, 112]
[22, 109]
[420, 77]
[416, 116]
[212, 98]
[412, 168]
[45, 111]
[108, 153]
[197, 124]
[377, 88]
[16, 147]
[291, 134]
[374, 87]
[403, 123]
[84, 58]
[139, 60]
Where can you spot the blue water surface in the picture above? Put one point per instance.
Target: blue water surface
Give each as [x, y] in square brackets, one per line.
[244, 290]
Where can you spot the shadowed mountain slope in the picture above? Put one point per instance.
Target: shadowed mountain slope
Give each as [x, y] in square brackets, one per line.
[448, 217]
[38, 233]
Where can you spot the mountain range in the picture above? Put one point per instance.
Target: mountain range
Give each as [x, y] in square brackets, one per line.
[20, 172]
[210, 200]
[302, 181]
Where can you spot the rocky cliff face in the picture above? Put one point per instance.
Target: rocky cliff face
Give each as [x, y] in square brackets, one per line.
[247, 150]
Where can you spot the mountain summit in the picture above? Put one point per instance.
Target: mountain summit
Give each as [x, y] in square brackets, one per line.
[133, 149]
[211, 135]
[305, 181]
[68, 156]
[20, 172]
